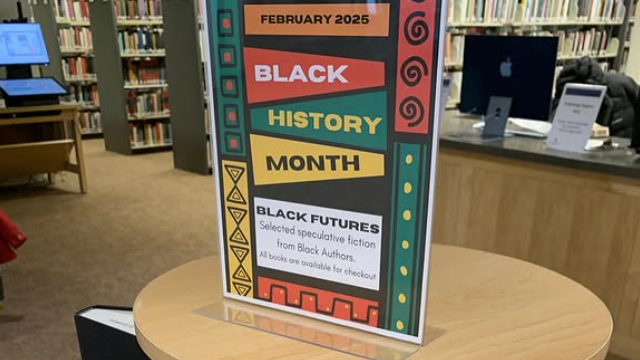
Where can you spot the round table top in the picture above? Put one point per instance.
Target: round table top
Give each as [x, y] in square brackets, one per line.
[490, 307]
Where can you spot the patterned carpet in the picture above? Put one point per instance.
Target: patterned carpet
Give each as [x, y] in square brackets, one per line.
[140, 219]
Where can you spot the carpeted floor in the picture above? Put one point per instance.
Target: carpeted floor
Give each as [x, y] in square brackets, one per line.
[140, 218]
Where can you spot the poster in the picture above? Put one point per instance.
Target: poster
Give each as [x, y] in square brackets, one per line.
[324, 155]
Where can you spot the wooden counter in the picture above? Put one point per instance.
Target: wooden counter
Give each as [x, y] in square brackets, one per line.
[487, 307]
[582, 224]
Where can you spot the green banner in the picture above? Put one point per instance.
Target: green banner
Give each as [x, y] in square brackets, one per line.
[358, 120]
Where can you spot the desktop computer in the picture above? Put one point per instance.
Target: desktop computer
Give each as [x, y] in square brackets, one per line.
[22, 45]
[519, 67]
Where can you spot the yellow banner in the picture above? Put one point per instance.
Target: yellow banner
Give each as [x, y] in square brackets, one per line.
[280, 161]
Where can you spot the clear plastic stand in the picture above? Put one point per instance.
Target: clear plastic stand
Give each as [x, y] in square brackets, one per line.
[320, 333]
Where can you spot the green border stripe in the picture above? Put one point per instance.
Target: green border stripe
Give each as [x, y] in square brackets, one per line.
[223, 12]
[409, 177]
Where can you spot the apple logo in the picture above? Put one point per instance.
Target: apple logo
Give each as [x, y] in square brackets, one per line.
[505, 68]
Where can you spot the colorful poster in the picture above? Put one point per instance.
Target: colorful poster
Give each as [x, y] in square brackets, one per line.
[324, 148]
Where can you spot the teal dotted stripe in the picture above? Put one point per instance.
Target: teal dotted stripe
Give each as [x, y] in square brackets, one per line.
[410, 185]
[226, 55]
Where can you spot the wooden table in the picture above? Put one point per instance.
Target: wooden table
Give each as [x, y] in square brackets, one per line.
[36, 140]
[490, 307]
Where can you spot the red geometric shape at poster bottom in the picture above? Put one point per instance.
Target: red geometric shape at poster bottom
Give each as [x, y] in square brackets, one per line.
[318, 301]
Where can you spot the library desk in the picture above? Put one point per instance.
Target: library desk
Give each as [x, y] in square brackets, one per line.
[38, 140]
[488, 307]
[576, 214]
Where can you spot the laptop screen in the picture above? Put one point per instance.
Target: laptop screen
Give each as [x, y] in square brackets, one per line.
[32, 87]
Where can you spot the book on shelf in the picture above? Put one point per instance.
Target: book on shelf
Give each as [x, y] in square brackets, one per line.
[77, 67]
[146, 134]
[71, 9]
[531, 11]
[145, 72]
[75, 39]
[591, 42]
[140, 40]
[138, 9]
[84, 94]
[147, 104]
[454, 49]
[90, 122]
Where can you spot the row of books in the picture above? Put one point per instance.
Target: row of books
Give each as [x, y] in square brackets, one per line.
[77, 67]
[146, 72]
[84, 94]
[91, 122]
[75, 39]
[516, 11]
[71, 9]
[147, 134]
[147, 104]
[138, 9]
[570, 43]
[601, 9]
[587, 42]
[140, 40]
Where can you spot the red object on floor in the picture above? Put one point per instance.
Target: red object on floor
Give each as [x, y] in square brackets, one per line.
[10, 238]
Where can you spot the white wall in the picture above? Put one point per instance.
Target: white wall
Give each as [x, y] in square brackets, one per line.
[8, 9]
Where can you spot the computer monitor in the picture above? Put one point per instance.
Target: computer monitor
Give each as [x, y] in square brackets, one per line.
[519, 67]
[22, 44]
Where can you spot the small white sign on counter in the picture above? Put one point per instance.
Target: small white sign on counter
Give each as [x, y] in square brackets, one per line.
[575, 116]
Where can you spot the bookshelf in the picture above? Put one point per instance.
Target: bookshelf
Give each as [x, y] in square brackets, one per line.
[595, 28]
[182, 41]
[45, 16]
[130, 65]
[74, 43]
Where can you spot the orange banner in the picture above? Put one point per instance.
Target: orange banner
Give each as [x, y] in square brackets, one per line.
[317, 19]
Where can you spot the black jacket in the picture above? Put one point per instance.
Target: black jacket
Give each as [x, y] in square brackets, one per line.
[623, 92]
[618, 108]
